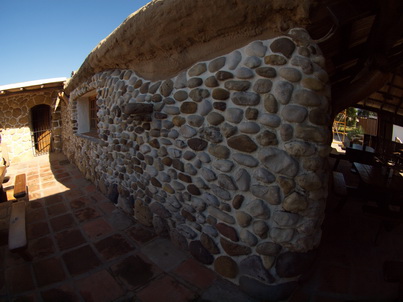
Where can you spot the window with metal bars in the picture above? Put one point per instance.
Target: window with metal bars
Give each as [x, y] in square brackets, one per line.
[93, 109]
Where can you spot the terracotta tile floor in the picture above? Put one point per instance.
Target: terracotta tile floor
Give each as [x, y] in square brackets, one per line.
[85, 249]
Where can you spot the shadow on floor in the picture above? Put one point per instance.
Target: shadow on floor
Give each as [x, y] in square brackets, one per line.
[350, 263]
[86, 249]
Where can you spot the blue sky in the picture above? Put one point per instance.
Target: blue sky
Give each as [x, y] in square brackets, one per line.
[41, 39]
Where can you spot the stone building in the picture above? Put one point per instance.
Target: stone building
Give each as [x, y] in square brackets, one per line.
[215, 130]
[210, 122]
[221, 146]
[30, 119]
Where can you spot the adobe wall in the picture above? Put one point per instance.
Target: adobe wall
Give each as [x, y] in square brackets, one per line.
[231, 162]
[16, 124]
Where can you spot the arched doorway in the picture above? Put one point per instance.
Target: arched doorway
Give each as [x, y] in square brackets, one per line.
[41, 129]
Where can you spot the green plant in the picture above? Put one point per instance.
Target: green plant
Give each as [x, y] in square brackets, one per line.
[355, 132]
[351, 116]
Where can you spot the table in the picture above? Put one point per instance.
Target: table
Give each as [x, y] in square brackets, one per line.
[361, 148]
[380, 182]
[360, 154]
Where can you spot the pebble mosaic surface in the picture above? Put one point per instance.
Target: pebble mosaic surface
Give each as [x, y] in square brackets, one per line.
[229, 159]
[17, 126]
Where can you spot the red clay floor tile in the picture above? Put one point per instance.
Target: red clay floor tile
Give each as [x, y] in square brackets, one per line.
[64, 293]
[81, 260]
[32, 205]
[99, 287]
[12, 259]
[57, 209]
[107, 207]
[68, 239]
[34, 216]
[73, 194]
[134, 272]
[48, 271]
[19, 279]
[87, 213]
[166, 289]
[90, 188]
[42, 247]
[81, 202]
[61, 175]
[97, 228]
[113, 246]
[100, 198]
[51, 200]
[141, 234]
[195, 273]
[62, 222]
[36, 230]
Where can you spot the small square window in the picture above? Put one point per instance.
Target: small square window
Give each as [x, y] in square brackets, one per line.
[87, 117]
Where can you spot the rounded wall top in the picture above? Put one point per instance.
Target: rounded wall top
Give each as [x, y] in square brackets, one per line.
[167, 36]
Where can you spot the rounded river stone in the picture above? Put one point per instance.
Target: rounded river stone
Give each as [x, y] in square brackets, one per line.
[200, 252]
[199, 94]
[197, 69]
[188, 107]
[244, 73]
[211, 82]
[223, 75]
[233, 59]
[256, 48]
[237, 85]
[219, 151]
[209, 244]
[180, 95]
[242, 143]
[262, 86]
[216, 64]
[294, 113]
[267, 72]
[252, 62]
[282, 91]
[246, 98]
[226, 267]
[197, 144]
[284, 46]
[234, 249]
[214, 118]
[220, 94]
[290, 74]
[234, 115]
[275, 60]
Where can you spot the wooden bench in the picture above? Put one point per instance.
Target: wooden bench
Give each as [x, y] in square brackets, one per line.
[342, 190]
[339, 184]
[20, 186]
[17, 237]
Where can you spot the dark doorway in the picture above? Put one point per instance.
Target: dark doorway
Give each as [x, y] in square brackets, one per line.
[41, 128]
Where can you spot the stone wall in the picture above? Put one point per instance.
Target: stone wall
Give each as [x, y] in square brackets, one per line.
[231, 162]
[15, 121]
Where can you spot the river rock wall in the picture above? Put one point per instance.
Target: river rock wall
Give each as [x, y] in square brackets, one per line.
[228, 158]
[16, 122]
